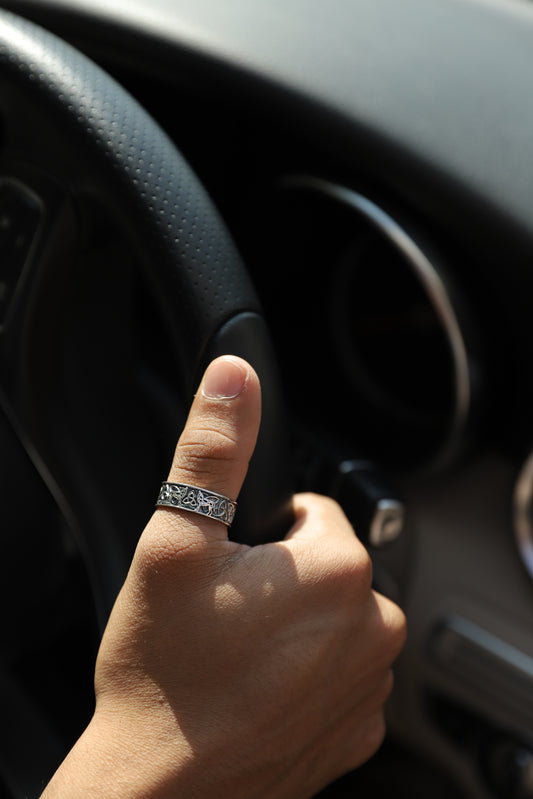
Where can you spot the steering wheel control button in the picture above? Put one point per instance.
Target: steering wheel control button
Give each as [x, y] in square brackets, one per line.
[20, 216]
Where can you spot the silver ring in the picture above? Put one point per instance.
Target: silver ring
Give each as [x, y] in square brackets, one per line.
[197, 500]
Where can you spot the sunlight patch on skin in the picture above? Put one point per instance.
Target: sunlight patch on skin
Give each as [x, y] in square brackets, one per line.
[230, 599]
[267, 589]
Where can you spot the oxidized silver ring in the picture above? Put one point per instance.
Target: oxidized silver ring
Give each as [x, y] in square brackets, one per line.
[197, 500]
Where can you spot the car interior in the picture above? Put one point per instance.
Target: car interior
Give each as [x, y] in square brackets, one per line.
[343, 188]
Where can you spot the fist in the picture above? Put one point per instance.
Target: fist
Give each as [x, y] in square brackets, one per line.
[230, 671]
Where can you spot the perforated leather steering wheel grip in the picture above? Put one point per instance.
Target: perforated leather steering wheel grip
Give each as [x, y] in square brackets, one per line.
[65, 120]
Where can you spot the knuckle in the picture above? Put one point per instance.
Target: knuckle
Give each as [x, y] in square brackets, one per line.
[397, 628]
[206, 444]
[318, 502]
[205, 453]
[365, 569]
[355, 573]
[393, 626]
[387, 687]
[375, 734]
[344, 575]
[204, 471]
[327, 505]
[325, 510]
[365, 740]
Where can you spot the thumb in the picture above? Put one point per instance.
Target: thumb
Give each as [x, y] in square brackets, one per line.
[217, 442]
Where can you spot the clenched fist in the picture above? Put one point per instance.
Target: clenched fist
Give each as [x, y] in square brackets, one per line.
[230, 671]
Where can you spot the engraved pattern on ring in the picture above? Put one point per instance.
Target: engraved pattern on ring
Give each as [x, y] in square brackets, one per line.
[197, 500]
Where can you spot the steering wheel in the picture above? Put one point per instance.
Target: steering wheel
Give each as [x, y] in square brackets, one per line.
[118, 283]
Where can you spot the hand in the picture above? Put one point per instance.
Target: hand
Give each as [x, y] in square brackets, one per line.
[230, 671]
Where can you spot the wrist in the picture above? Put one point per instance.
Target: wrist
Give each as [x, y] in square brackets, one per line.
[112, 761]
